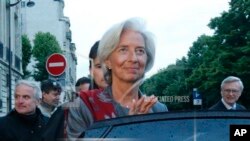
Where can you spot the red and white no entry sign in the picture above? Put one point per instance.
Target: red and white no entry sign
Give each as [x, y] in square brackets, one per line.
[56, 64]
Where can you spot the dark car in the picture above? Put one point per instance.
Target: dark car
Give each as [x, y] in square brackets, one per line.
[170, 126]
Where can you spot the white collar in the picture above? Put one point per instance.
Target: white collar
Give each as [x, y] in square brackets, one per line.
[228, 106]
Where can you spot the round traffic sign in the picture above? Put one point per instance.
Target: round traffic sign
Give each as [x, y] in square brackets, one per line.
[56, 64]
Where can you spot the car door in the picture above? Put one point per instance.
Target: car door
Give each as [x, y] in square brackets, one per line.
[170, 126]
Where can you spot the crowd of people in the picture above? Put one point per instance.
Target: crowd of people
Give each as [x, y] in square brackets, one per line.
[118, 63]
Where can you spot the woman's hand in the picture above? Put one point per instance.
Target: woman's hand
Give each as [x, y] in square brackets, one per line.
[143, 105]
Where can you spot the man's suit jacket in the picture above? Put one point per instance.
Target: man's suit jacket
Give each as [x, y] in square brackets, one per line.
[220, 106]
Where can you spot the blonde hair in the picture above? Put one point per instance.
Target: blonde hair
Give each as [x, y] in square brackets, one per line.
[111, 39]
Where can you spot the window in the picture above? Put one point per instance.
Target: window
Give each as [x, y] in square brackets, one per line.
[1, 82]
[1, 50]
[23, 4]
[8, 55]
[68, 35]
[17, 62]
[203, 125]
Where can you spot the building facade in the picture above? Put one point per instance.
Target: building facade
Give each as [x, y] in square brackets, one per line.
[10, 52]
[48, 16]
[17, 19]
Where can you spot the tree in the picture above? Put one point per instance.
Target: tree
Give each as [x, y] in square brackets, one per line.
[210, 60]
[227, 55]
[26, 55]
[196, 52]
[45, 44]
[169, 82]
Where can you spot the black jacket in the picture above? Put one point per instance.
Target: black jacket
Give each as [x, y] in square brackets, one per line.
[220, 106]
[55, 126]
[17, 127]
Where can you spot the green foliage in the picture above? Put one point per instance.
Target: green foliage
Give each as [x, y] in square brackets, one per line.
[196, 52]
[45, 44]
[209, 61]
[26, 55]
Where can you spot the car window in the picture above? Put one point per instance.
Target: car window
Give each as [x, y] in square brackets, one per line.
[182, 126]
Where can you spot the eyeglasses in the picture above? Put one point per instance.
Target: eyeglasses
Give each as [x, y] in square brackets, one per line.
[231, 91]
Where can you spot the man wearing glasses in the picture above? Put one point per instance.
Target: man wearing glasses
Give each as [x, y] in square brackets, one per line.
[231, 89]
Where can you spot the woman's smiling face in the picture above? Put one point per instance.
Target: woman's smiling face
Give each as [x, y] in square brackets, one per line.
[129, 58]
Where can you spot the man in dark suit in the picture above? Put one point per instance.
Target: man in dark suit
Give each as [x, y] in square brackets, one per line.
[231, 90]
[25, 122]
